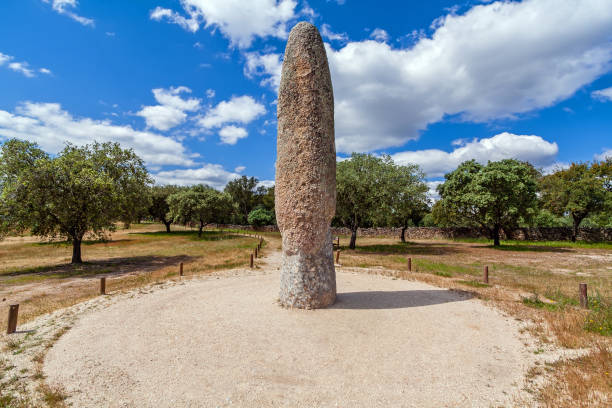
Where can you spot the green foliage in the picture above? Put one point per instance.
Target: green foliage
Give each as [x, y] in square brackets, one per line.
[545, 218]
[201, 204]
[373, 190]
[495, 196]
[247, 195]
[159, 207]
[579, 191]
[261, 216]
[599, 319]
[16, 157]
[408, 196]
[82, 190]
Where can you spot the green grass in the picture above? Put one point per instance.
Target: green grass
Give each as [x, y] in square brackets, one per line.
[474, 284]
[599, 319]
[444, 274]
[425, 265]
[528, 245]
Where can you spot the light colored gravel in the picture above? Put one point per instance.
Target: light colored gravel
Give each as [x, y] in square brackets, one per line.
[224, 341]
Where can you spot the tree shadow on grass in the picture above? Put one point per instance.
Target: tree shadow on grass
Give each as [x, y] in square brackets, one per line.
[398, 299]
[206, 235]
[524, 248]
[106, 267]
[408, 248]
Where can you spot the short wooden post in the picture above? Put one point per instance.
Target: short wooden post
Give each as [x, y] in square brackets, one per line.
[485, 275]
[338, 257]
[584, 299]
[338, 241]
[181, 269]
[12, 319]
[255, 252]
[103, 286]
[409, 264]
[251, 263]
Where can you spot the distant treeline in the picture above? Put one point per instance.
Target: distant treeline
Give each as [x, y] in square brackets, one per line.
[88, 189]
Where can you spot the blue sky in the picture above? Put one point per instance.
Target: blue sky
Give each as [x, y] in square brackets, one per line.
[191, 85]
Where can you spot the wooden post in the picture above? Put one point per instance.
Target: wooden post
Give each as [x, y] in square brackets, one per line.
[485, 275]
[338, 241]
[12, 319]
[255, 252]
[181, 269]
[338, 257]
[584, 299]
[103, 286]
[251, 264]
[409, 264]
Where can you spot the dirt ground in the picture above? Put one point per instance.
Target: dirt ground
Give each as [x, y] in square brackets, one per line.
[218, 342]
[535, 285]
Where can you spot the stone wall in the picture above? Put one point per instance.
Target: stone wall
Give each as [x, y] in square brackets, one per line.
[531, 234]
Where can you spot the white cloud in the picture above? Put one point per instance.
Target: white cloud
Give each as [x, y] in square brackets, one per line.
[162, 117]
[210, 93]
[603, 94]
[231, 134]
[480, 66]
[379, 34]
[604, 155]
[4, 58]
[213, 175]
[238, 20]
[240, 169]
[264, 65]
[239, 109]
[266, 183]
[51, 127]
[432, 193]
[326, 32]
[65, 7]
[21, 67]
[171, 109]
[435, 162]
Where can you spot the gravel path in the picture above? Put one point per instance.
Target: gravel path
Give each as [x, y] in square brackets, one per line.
[224, 341]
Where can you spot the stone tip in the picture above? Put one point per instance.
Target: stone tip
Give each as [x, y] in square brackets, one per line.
[303, 27]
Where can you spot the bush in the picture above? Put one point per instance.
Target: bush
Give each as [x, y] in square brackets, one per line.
[260, 217]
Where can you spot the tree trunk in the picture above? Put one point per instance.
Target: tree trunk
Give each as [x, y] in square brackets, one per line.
[403, 235]
[76, 251]
[353, 238]
[167, 224]
[200, 228]
[577, 221]
[496, 235]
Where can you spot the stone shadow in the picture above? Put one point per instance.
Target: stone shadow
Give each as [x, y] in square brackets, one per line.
[399, 299]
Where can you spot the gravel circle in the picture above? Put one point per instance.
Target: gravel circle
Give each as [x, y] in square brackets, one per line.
[226, 342]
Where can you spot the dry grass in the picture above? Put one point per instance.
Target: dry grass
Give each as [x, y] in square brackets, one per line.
[535, 283]
[39, 277]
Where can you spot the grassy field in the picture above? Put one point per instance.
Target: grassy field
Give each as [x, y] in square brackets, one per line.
[535, 281]
[38, 275]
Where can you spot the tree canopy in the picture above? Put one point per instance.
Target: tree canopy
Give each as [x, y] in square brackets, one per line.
[261, 216]
[201, 204]
[375, 191]
[247, 194]
[580, 190]
[496, 196]
[83, 190]
[159, 207]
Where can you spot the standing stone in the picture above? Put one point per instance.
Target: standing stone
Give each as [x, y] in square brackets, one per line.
[305, 190]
